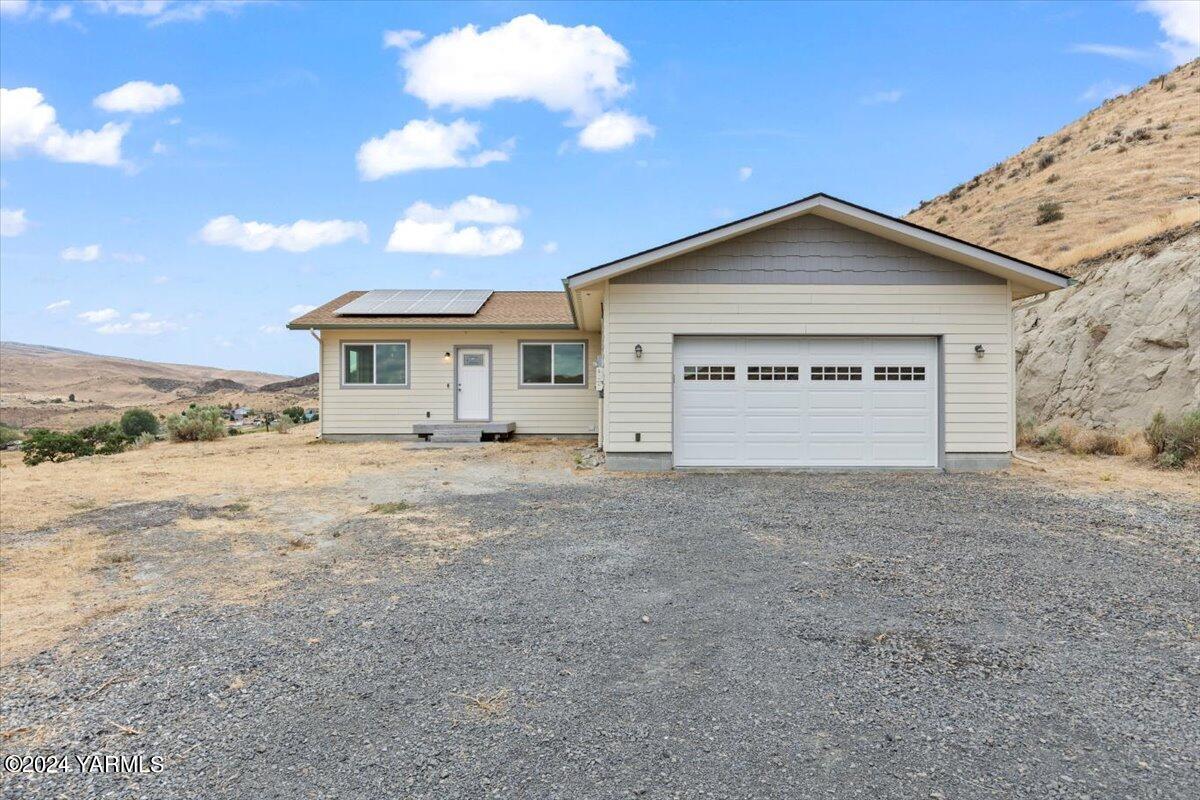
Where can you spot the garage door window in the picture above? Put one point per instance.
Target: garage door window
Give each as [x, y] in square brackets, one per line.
[709, 373]
[899, 373]
[836, 373]
[761, 373]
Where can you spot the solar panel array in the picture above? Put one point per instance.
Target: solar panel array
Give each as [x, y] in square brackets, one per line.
[417, 302]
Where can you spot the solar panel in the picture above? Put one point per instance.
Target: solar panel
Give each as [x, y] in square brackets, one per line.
[417, 302]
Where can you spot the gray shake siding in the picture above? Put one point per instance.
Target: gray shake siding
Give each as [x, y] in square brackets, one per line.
[809, 250]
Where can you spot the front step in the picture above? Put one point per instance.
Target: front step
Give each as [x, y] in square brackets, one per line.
[457, 435]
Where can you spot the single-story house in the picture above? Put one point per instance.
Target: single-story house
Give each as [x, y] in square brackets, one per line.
[816, 334]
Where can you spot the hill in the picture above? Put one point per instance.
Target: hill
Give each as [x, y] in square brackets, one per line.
[37, 384]
[1124, 184]
[1124, 171]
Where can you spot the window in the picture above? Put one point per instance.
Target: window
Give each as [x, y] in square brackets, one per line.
[772, 373]
[710, 373]
[836, 373]
[553, 363]
[899, 373]
[378, 364]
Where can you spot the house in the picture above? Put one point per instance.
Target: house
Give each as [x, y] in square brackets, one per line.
[816, 334]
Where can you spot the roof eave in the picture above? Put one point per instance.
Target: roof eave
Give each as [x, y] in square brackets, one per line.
[301, 326]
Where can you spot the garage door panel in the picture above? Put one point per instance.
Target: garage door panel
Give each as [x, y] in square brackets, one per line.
[773, 413]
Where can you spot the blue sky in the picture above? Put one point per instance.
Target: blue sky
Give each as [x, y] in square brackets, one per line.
[545, 139]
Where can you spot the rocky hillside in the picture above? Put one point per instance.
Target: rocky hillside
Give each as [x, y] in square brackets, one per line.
[1112, 199]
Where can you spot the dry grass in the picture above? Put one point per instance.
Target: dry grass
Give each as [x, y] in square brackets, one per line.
[270, 504]
[489, 705]
[1182, 217]
[1127, 170]
[1122, 475]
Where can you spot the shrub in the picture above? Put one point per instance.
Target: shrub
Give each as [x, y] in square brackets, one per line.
[196, 424]
[1049, 212]
[143, 440]
[1045, 160]
[106, 438]
[43, 445]
[284, 424]
[137, 421]
[294, 413]
[1175, 442]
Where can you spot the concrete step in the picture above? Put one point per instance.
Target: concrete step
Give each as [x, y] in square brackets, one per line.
[457, 435]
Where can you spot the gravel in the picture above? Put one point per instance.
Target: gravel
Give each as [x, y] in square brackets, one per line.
[706, 636]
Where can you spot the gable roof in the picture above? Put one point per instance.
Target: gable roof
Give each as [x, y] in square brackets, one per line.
[502, 310]
[1037, 278]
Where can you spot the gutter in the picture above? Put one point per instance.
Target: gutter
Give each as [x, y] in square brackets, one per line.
[571, 302]
[560, 326]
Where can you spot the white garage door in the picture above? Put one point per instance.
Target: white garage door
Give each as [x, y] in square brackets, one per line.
[806, 402]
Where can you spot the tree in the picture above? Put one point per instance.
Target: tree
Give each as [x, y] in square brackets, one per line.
[137, 421]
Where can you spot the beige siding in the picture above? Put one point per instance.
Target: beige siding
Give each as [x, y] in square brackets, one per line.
[391, 410]
[978, 391]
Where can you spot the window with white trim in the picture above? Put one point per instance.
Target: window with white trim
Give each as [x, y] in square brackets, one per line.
[899, 373]
[835, 373]
[710, 373]
[553, 363]
[375, 363]
[783, 373]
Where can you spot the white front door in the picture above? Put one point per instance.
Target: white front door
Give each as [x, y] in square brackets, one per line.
[806, 401]
[474, 402]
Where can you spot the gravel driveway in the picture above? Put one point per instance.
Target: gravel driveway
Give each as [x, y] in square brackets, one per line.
[767, 635]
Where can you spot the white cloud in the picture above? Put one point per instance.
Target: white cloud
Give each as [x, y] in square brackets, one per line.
[159, 280]
[550, 248]
[17, 9]
[1104, 90]
[271, 329]
[142, 325]
[59, 305]
[1180, 21]
[1112, 51]
[139, 97]
[614, 130]
[298, 237]
[471, 208]
[424, 144]
[140, 316]
[89, 252]
[158, 12]
[300, 308]
[426, 229]
[744, 173]
[888, 96]
[401, 40]
[14, 8]
[13, 222]
[565, 69]
[30, 124]
[99, 315]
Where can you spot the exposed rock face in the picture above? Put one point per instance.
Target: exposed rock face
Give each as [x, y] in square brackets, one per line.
[1122, 344]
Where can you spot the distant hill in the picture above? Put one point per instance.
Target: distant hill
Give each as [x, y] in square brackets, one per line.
[1118, 197]
[37, 383]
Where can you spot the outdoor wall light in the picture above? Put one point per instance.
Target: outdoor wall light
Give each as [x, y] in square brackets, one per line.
[446, 357]
[637, 351]
[979, 351]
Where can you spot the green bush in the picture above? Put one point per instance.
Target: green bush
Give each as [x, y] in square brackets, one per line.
[106, 438]
[1048, 212]
[196, 424]
[294, 413]
[1175, 442]
[137, 421]
[43, 445]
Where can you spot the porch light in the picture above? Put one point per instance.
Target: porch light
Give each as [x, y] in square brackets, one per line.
[979, 351]
[446, 357]
[637, 351]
